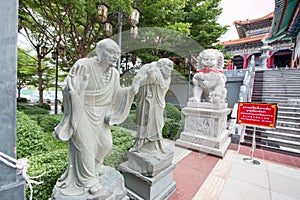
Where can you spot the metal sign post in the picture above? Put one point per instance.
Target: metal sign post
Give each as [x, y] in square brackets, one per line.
[251, 160]
[256, 115]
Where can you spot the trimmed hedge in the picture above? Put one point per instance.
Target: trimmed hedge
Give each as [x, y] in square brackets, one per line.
[172, 129]
[47, 122]
[172, 112]
[30, 137]
[53, 164]
[32, 109]
[174, 122]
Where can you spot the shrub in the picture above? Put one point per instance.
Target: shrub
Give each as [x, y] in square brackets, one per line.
[122, 138]
[130, 122]
[172, 129]
[172, 112]
[32, 109]
[35, 144]
[47, 122]
[45, 106]
[122, 141]
[30, 137]
[22, 100]
[53, 164]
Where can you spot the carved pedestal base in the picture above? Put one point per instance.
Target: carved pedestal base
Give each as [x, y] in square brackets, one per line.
[150, 164]
[149, 175]
[113, 189]
[205, 128]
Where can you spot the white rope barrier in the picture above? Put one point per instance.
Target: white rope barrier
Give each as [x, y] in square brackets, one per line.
[21, 165]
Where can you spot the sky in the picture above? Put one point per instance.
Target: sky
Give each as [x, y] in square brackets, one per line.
[242, 10]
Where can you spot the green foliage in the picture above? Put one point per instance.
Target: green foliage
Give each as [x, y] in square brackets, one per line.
[122, 141]
[45, 106]
[22, 100]
[30, 137]
[122, 138]
[35, 143]
[172, 129]
[130, 122]
[47, 122]
[53, 164]
[32, 109]
[147, 57]
[172, 112]
[203, 16]
[173, 122]
[26, 69]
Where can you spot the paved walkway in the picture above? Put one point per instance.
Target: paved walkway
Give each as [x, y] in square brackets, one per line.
[200, 176]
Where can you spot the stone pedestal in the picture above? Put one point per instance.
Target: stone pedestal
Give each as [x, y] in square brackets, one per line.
[149, 176]
[205, 128]
[113, 189]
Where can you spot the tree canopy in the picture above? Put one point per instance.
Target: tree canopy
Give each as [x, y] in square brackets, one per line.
[75, 26]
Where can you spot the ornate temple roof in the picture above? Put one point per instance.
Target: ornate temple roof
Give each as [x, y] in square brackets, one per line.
[286, 19]
[245, 40]
[260, 19]
[244, 27]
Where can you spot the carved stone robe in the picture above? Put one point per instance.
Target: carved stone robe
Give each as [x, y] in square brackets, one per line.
[150, 107]
[83, 126]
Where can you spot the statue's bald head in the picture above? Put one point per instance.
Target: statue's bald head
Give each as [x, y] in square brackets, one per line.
[104, 44]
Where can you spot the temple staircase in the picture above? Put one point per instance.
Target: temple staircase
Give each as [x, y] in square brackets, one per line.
[281, 86]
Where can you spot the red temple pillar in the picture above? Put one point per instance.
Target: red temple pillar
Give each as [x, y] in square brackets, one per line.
[245, 61]
[270, 60]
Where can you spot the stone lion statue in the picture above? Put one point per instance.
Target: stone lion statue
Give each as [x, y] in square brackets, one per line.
[209, 80]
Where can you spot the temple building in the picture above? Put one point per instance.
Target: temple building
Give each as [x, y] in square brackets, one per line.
[286, 25]
[253, 40]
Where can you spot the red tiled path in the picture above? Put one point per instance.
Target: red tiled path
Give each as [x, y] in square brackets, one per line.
[190, 173]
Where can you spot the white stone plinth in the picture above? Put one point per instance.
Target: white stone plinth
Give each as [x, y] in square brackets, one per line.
[141, 187]
[205, 128]
[150, 164]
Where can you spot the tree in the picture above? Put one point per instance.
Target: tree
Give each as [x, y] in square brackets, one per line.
[203, 15]
[63, 24]
[26, 69]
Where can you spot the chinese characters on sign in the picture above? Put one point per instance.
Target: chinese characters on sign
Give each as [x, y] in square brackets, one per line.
[255, 114]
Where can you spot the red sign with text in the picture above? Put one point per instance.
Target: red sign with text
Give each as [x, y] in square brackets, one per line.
[256, 114]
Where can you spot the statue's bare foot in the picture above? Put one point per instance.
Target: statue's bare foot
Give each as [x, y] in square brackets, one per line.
[96, 188]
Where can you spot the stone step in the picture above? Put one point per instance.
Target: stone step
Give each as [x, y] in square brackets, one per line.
[281, 87]
[279, 94]
[281, 149]
[270, 100]
[274, 142]
[280, 135]
[288, 124]
[280, 84]
[289, 130]
[275, 79]
[288, 118]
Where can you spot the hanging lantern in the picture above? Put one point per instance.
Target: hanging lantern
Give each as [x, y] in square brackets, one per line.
[54, 55]
[61, 51]
[44, 50]
[102, 12]
[108, 28]
[134, 32]
[68, 56]
[135, 16]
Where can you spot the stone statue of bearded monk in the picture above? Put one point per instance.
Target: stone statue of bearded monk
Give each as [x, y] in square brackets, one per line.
[93, 100]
